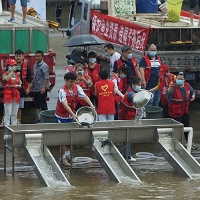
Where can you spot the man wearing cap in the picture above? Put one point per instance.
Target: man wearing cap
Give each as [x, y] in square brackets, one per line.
[75, 57]
[11, 83]
[149, 68]
[163, 84]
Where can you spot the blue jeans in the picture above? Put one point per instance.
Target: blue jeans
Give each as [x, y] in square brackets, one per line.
[23, 2]
[193, 4]
[156, 98]
[124, 151]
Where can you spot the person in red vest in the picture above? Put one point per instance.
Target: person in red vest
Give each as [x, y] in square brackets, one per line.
[67, 96]
[93, 70]
[11, 83]
[122, 72]
[75, 58]
[24, 71]
[85, 82]
[164, 80]
[127, 58]
[105, 92]
[179, 95]
[126, 109]
[149, 69]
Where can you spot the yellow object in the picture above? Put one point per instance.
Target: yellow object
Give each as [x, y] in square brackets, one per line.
[31, 12]
[178, 42]
[188, 42]
[52, 24]
[174, 10]
[38, 17]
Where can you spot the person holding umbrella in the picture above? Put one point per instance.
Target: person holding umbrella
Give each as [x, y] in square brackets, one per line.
[75, 58]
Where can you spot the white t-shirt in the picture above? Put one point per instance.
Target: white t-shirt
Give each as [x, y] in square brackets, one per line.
[113, 58]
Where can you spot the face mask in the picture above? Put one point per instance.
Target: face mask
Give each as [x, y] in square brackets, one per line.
[79, 72]
[72, 61]
[179, 82]
[152, 53]
[129, 56]
[107, 54]
[92, 60]
[123, 76]
[138, 88]
[10, 68]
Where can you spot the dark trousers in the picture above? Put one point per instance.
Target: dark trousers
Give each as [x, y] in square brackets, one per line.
[193, 4]
[165, 111]
[94, 100]
[184, 120]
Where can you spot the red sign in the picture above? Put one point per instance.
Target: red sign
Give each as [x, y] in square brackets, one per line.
[118, 31]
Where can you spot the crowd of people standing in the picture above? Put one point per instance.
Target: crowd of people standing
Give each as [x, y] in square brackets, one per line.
[87, 83]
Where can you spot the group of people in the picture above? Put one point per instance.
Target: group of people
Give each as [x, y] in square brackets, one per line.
[17, 83]
[88, 84]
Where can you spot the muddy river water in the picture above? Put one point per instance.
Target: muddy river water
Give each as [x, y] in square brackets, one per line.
[159, 179]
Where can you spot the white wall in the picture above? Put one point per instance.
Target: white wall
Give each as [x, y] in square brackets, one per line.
[38, 5]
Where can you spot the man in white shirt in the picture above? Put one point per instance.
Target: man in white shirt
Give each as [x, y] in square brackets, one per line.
[109, 50]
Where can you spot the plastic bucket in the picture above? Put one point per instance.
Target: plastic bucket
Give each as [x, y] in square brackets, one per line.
[48, 116]
[174, 10]
[146, 6]
[153, 112]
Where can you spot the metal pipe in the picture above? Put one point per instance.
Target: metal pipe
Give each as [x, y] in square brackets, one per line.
[190, 135]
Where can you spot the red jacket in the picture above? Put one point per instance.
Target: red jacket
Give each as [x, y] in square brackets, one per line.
[24, 75]
[164, 86]
[117, 98]
[147, 70]
[124, 80]
[126, 110]
[105, 96]
[71, 68]
[94, 76]
[60, 110]
[9, 92]
[178, 106]
[86, 90]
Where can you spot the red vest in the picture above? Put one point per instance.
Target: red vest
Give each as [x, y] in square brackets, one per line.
[24, 75]
[60, 110]
[105, 96]
[86, 90]
[164, 86]
[94, 76]
[178, 106]
[117, 98]
[147, 70]
[124, 80]
[126, 110]
[9, 92]
[71, 68]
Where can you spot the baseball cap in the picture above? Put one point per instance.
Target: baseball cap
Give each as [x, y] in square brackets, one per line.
[10, 62]
[163, 69]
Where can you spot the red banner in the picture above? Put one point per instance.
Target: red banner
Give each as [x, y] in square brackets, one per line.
[118, 31]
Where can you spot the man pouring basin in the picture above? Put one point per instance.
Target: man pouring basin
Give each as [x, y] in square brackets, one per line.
[64, 113]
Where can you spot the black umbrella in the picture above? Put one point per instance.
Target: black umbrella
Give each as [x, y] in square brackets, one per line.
[83, 40]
